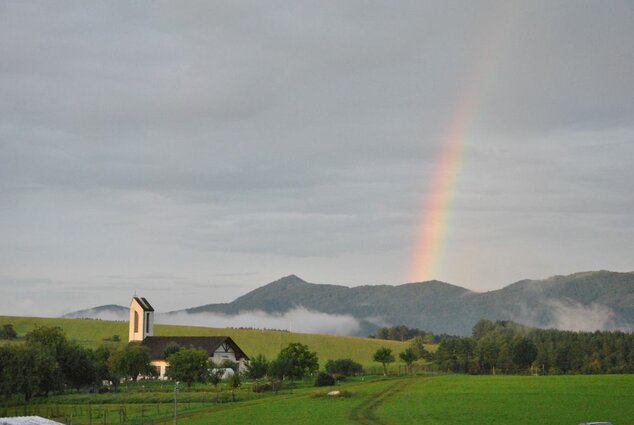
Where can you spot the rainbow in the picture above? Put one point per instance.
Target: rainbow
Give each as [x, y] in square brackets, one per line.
[433, 226]
[434, 222]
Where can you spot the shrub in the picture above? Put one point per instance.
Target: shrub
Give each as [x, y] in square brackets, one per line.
[324, 380]
[7, 332]
[347, 367]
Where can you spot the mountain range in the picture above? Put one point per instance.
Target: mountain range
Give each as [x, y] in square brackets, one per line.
[600, 300]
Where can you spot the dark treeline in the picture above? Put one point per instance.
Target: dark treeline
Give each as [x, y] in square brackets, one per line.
[47, 362]
[507, 347]
[403, 333]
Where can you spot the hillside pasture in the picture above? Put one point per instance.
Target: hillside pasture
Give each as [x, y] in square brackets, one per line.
[92, 333]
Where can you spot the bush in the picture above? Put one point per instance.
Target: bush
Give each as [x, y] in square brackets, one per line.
[7, 332]
[347, 367]
[324, 380]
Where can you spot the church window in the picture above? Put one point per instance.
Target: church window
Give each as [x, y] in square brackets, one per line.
[136, 322]
[147, 323]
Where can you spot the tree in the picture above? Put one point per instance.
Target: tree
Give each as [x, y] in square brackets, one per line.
[345, 367]
[103, 371]
[215, 373]
[170, 349]
[418, 346]
[50, 338]
[7, 370]
[279, 368]
[384, 356]
[409, 357]
[47, 345]
[487, 353]
[523, 352]
[482, 328]
[324, 380]
[258, 367]
[132, 361]
[32, 371]
[188, 365]
[297, 361]
[78, 365]
[7, 332]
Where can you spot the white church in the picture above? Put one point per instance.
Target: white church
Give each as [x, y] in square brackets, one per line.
[219, 348]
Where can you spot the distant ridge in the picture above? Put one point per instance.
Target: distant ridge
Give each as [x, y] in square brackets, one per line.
[580, 301]
[105, 312]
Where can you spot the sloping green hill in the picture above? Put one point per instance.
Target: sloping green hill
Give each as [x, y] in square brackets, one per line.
[92, 333]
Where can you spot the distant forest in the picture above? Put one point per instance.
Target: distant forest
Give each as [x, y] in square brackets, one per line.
[508, 347]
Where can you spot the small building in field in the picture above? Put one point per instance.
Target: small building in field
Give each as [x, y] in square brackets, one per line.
[219, 348]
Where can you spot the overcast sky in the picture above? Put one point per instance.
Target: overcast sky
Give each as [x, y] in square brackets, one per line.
[192, 151]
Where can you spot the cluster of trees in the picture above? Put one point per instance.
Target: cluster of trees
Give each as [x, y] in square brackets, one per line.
[403, 333]
[47, 362]
[414, 352]
[294, 362]
[507, 347]
[192, 365]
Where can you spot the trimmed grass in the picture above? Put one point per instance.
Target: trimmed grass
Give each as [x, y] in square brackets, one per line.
[92, 333]
[517, 400]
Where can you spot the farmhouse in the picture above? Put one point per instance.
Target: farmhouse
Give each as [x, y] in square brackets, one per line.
[219, 348]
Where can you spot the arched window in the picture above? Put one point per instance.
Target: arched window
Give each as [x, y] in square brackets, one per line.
[136, 322]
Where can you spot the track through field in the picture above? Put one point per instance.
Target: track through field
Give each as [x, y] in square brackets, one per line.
[365, 413]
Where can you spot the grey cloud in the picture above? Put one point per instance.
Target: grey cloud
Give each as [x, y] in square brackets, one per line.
[208, 140]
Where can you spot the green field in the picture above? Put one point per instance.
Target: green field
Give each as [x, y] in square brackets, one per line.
[452, 399]
[439, 400]
[92, 333]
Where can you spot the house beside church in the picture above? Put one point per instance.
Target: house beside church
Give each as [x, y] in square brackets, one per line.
[219, 348]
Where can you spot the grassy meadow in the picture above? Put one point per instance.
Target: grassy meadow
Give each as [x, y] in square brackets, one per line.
[92, 333]
[450, 399]
[424, 399]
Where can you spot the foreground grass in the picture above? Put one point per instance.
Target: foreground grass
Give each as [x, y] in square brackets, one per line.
[307, 406]
[92, 333]
[517, 400]
[439, 400]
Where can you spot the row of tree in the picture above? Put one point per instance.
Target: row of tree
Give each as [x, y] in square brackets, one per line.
[403, 333]
[507, 347]
[47, 361]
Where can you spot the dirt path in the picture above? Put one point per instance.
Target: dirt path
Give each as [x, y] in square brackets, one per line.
[365, 413]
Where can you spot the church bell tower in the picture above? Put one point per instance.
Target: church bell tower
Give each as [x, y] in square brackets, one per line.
[141, 319]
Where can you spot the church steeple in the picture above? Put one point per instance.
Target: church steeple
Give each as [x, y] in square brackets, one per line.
[141, 319]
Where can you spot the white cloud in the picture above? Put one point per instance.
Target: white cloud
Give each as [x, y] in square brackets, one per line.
[298, 319]
[572, 316]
